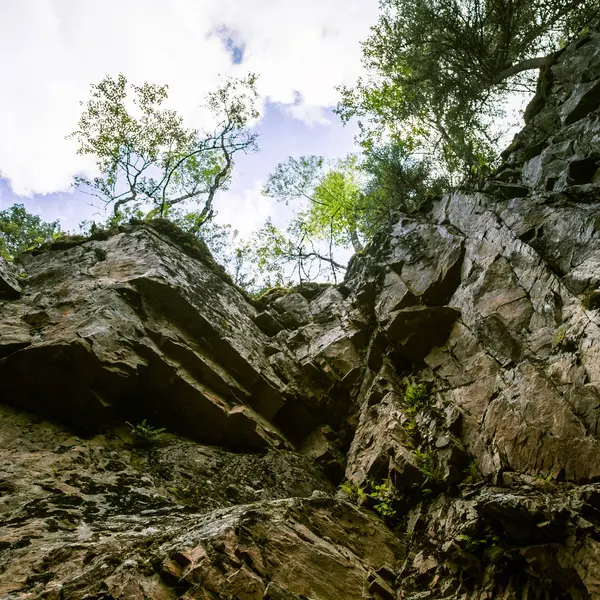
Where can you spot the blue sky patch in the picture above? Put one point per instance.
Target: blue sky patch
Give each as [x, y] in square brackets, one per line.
[232, 44]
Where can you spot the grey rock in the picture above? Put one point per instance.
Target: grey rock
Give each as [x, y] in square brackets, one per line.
[9, 282]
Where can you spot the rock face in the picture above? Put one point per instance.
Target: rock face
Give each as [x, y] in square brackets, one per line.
[453, 381]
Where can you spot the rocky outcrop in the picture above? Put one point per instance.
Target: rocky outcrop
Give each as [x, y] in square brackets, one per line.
[452, 381]
[102, 517]
[9, 283]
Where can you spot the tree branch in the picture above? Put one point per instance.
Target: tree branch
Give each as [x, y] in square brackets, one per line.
[525, 65]
[332, 262]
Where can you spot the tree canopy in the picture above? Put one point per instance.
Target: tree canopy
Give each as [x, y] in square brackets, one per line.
[148, 160]
[21, 230]
[333, 195]
[437, 70]
[342, 203]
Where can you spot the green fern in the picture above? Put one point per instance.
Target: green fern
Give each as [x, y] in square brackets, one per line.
[383, 496]
[415, 397]
[355, 491]
[144, 432]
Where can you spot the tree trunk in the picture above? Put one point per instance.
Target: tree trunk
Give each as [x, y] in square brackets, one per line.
[356, 243]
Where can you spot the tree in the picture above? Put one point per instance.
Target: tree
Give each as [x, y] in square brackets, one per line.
[222, 241]
[349, 200]
[396, 181]
[437, 70]
[344, 202]
[20, 230]
[274, 257]
[148, 159]
[332, 192]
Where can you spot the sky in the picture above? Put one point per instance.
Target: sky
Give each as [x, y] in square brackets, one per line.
[52, 50]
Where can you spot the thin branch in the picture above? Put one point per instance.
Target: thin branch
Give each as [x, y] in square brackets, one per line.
[332, 262]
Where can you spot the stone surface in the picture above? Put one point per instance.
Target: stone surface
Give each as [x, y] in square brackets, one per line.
[74, 509]
[9, 282]
[154, 333]
[452, 379]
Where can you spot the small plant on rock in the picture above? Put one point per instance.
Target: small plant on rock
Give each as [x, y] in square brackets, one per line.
[415, 397]
[487, 544]
[354, 491]
[380, 496]
[472, 474]
[426, 462]
[383, 497]
[559, 337]
[144, 432]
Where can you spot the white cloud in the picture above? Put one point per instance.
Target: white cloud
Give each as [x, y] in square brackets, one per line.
[247, 209]
[51, 50]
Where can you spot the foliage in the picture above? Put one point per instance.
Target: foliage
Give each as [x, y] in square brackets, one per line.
[354, 491]
[416, 396]
[351, 199]
[547, 483]
[268, 252]
[397, 179]
[437, 70]
[564, 340]
[144, 432]
[472, 473]
[20, 230]
[559, 336]
[148, 159]
[426, 462]
[591, 300]
[487, 544]
[273, 258]
[333, 196]
[383, 497]
[342, 203]
[188, 494]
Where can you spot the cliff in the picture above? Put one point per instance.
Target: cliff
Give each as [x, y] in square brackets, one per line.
[452, 382]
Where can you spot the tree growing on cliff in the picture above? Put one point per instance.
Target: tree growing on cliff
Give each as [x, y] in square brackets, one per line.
[437, 70]
[344, 203]
[348, 201]
[148, 159]
[21, 230]
[333, 193]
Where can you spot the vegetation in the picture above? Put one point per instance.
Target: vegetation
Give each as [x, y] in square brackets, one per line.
[354, 491]
[343, 203]
[427, 463]
[488, 544]
[559, 337]
[416, 396]
[144, 433]
[383, 496]
[437, 75]
[148, 160]
[380, 497]
[20, 230]
[438, 71]
[472, 473]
